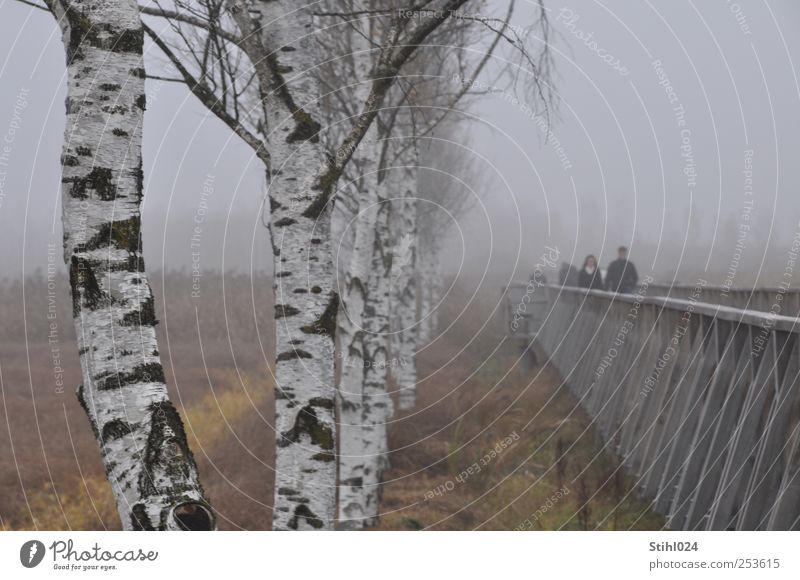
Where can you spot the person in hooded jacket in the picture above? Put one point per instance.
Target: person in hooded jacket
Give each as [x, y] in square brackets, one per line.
[589, 276]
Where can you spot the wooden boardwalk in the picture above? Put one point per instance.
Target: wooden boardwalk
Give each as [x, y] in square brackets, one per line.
[699, 400]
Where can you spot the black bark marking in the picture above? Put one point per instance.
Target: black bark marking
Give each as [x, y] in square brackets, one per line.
[321, 402]
[69, 160]
[119, 132]
[283, 394]
[139, 175]
[285, 310]
[306, 128]
[140, 521]
[85, 407]
[144, 373]
[86, 291]
[283, 222]
[100, 180]
[326, 324]
[75, 105]
[116, 429]
[307, 423]
[325, 187]
[168, 450]
[293, 354]
[145, 316]
[304, 512]
[124, 234]
[134, 263]
[117, 109]
[105, 36]
[348, 405]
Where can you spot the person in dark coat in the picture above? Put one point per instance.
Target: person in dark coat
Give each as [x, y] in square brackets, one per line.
[621, 276]
[589, 276]
[568, 275]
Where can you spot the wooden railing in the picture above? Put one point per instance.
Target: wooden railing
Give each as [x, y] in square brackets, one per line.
[779, 300]
[700, 401]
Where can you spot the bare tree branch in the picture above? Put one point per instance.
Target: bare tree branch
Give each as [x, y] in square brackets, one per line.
[206, 96]
[34, 5]
[188, 19]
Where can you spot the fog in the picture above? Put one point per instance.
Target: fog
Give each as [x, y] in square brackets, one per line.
[673, 132]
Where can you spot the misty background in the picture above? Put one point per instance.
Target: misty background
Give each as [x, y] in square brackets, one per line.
[661, 109]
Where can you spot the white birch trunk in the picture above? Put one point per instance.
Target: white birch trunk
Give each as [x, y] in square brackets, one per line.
[150, 467]
[356, 290]
[351, 344]
[404, 291]
[377, 402]
[429, 281]
[306, 303]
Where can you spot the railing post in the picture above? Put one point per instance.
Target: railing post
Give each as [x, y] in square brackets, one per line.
[772, 459]
[745, 440]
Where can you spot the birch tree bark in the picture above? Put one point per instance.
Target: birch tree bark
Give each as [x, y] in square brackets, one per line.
[404, 291]
[142, 439]
[429, 282]
[377, 409]
[351, 341]
[356, 287]
[278, 38]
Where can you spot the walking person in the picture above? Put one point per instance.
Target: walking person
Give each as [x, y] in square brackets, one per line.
[621, 276]
[590, 276]
[568, 275]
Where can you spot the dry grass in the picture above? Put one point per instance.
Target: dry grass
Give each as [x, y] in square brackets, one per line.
[52, 477]
[467, 403]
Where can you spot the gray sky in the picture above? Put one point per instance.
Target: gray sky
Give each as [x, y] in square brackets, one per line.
[627, 172]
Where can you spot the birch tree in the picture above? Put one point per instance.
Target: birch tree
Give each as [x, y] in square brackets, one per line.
[377, 403]
[283, 127]
[276, 37]
[147, 459]
[403, 292]
[270, 99]
[351, 331]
